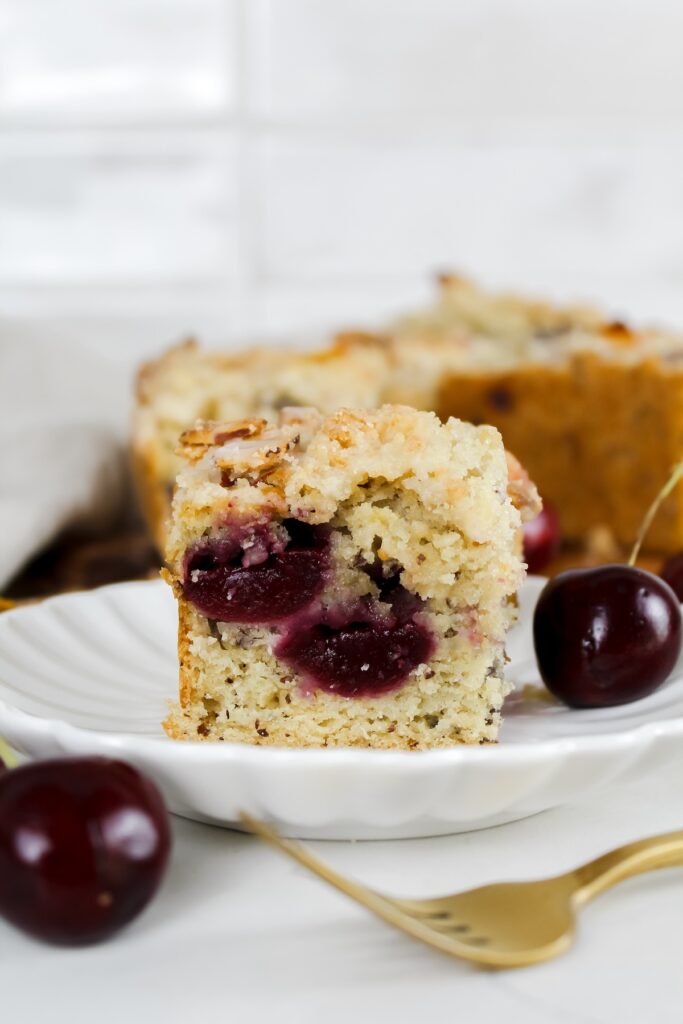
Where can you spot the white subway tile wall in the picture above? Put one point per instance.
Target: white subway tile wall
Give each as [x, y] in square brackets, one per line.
[98, 208]
[442, 59]
[116, 61]
[276, 166]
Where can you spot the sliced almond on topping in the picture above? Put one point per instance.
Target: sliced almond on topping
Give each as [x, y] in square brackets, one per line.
[204, 435]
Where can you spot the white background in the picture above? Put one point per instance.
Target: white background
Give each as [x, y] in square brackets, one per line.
[249, 166]
[237, 167]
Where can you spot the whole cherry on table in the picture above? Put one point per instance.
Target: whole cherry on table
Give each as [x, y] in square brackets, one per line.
[84, 844]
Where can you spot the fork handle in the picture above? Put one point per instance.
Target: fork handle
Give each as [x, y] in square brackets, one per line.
[663, 851]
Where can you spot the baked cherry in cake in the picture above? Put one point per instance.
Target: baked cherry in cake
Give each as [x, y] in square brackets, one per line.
[541, 539]
[263, 576]
[361, 652]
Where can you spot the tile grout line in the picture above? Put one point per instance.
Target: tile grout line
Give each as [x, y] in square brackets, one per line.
[388, 127]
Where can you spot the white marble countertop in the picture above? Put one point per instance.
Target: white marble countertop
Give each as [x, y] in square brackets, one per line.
[240, 934]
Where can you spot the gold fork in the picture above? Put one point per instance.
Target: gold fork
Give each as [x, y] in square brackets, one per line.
[512, 924]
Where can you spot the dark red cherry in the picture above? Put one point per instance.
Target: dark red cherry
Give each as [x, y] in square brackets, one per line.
[385, 574]
[356, 658]
[606, 636]
[282, 582]
[672, 573]
[541, 539]
[83, 846]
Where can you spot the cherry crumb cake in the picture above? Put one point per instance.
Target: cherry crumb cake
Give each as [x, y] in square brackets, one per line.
[344, 581]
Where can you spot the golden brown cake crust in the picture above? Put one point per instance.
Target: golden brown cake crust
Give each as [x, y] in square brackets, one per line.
[603, 459]
[592, 407]
[151, 481]
[153, 493]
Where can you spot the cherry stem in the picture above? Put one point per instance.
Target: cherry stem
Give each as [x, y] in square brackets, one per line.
[676, 475]
[7, 756]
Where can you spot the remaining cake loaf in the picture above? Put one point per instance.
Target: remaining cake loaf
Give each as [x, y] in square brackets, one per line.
[344, 581]
[592, 408]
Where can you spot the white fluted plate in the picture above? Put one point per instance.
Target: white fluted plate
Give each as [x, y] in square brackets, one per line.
[90, 673]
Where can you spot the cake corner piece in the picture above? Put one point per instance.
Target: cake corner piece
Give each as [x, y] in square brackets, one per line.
[344, 580]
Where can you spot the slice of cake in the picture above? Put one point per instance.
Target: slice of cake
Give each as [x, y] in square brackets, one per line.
[344, 581]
